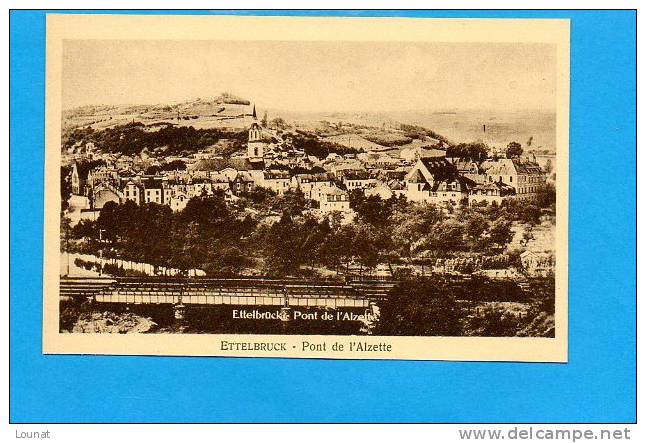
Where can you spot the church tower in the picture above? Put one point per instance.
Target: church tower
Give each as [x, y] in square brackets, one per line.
[255, 145]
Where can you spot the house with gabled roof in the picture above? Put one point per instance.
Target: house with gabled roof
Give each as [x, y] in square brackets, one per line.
[334, 199]
[311, 184]
[358, 179]
[277, 180]
[425, 175]
[454, 189]
[526, 177]
[490, 192]
[242, 183]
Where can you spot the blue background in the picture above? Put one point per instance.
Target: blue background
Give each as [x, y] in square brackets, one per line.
[597, 385]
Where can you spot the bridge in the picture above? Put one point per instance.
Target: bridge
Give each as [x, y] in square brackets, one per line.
[354, 292]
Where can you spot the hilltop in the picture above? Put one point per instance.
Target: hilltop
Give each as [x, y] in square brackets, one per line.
[219, 111]
[360, 131]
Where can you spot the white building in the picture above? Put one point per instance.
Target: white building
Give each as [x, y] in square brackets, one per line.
[277, 181]
[334, 199]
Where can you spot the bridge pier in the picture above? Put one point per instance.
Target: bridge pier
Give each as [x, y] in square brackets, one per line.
[179, 311]
[285, 313]
[286, 310]
[88, 304]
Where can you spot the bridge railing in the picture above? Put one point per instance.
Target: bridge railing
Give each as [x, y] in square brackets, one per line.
[134, 288]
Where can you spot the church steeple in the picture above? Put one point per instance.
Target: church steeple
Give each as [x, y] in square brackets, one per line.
[255, 145]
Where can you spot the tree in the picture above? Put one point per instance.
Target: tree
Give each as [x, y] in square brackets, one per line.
[64, 234]
[226, 260]
[263, 122]
[514, 150]
[500, 232]
[530, 213]
[260, 197]
[66, 186]
[420, 307]
[473, 151]
[283, 254]
[84, 229]
[338, 249]
[549, 167]
[156, 249]
[175, 165]
[373, 210]
[411, 225]
[546, 197]
[314, 236]
[493, 322]
[366, 246]
[152, 170]
[447, 236]
[475, 227]
[189, 249]
[278, 123]
[291, 203]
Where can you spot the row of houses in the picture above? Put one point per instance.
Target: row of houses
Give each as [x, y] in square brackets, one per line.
[434, 180]
[442, 180]
[175, 188]
[423, 176]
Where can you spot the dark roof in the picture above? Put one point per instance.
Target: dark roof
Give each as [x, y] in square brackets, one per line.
[465, 165]
[150, 183]
[527, 167]
[521, 167]
[460, 183]
[354, 174]
[244, 177]
[218, 164]
[437, 165]
[273, 175]
[322, 177]
[395, 174]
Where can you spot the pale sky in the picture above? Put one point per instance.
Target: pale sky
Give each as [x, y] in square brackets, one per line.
[313, 76]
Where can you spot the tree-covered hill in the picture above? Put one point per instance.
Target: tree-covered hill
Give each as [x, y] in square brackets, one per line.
[134, 137]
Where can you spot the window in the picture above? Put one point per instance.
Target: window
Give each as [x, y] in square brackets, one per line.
[511, 179]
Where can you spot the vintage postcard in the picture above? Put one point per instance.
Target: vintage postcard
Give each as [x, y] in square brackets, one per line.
[349, 188]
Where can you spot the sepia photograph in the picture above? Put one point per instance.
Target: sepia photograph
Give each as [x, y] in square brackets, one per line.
[289, 190]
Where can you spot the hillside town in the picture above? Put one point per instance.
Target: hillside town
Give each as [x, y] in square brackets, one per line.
[333, 186]
[269, 161]
[270, 209]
